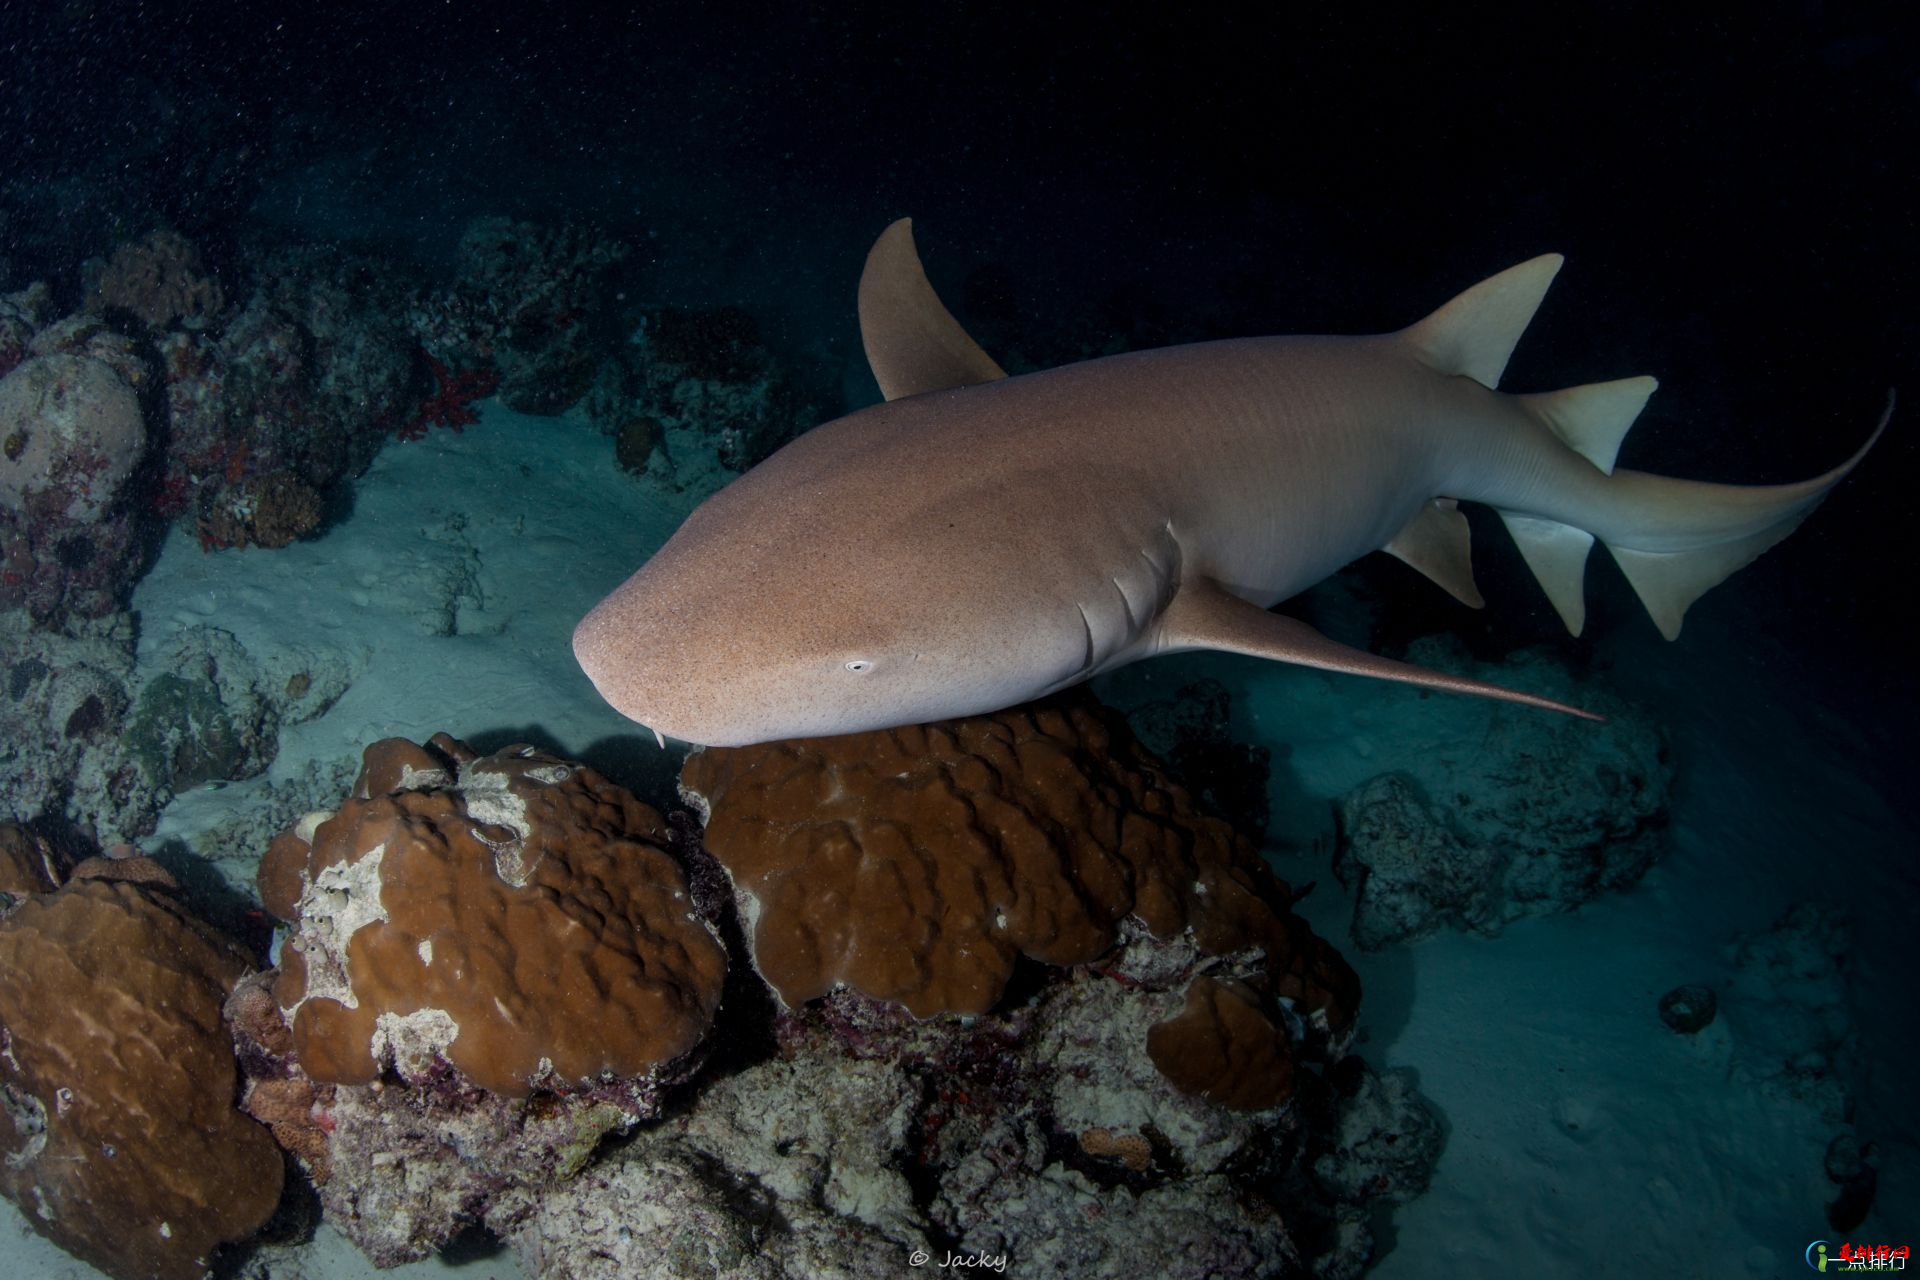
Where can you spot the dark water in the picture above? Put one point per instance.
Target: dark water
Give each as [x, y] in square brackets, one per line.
[1735, 196]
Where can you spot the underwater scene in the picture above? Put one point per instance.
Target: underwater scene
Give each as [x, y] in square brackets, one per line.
[871, 641]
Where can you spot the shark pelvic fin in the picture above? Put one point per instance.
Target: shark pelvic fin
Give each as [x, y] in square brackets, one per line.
[913, 343]
[1438, 543]
[1476, 333]
[1203, 615]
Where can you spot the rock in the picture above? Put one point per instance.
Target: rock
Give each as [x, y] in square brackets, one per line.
[1690, 1008]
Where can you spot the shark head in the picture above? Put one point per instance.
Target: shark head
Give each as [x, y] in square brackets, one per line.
[745, 628]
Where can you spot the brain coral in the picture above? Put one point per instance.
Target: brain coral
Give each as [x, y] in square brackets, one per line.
[71, 434]
[917, 865]
[514, 914]
[117, 1080]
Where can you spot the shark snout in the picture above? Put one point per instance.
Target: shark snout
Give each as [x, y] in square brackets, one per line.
[628, 666]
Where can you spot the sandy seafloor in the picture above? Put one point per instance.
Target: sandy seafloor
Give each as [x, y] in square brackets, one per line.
[1584, 1138]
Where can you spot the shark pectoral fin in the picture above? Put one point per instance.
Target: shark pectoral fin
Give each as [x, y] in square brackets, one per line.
[1438, 543]
[1203, 616]
[913, 342]
[1475, 334]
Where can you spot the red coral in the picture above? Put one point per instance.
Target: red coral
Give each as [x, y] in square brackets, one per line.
[451, 405]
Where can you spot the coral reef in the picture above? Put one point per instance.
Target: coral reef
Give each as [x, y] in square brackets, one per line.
[538, 304]
[270, 510]
[501, 961]
[117, 1079]
[82, 742]
[451, 404]
[23, 313]
[295, 393]
[514, 915]
[71, 435]
[1224, 1047]
[210, 715]
[159, 279]
[1038, 1139]
[74, 435]
[917, 865]
[695, 398]
[64, 707]
[1534, 820]
[497, 961]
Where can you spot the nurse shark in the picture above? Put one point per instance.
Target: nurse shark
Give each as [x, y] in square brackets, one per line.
[979, 540]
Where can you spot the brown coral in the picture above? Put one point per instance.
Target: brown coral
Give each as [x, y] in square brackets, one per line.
[271, 510]
[1224, 1047]
[515, 915]
[916, 865]
[117, 1113]
[160, 279]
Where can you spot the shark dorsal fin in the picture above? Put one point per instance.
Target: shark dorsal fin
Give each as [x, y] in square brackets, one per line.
[1476, 333]
[913, 342]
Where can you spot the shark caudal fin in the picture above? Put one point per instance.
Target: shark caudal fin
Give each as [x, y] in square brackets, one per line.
[1673, 539]
[1696, 535]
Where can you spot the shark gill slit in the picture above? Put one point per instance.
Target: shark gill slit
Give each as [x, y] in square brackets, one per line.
[1126, 603]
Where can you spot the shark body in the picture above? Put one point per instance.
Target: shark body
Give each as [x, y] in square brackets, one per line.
[976, 540]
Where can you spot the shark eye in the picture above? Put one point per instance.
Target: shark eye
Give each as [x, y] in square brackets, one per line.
[859, 664]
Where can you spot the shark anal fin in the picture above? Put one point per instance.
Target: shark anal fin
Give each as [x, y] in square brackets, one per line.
[1439, 544]
[1203, 616]
[913, 343]
[1557, 554]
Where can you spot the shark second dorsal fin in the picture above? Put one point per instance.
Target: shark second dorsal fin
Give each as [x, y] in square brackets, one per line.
[913, 342]
[1438, 543]
[1476, 333]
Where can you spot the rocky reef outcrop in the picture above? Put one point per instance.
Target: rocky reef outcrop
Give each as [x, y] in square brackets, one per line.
[996, 987]
[1540, 817]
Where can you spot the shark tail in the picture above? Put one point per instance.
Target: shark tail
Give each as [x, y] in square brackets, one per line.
[1673, 539]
